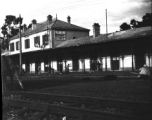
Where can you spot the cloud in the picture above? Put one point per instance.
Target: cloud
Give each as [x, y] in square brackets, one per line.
[133, 11]
[130, 10]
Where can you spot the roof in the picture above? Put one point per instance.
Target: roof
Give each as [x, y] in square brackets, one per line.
[56, 24]
[121, 35]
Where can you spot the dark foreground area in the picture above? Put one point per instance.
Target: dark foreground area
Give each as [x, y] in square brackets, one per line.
[134, 90]
[126, 89]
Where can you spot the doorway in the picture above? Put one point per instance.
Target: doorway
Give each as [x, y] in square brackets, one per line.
[115, 63]
[139, 60]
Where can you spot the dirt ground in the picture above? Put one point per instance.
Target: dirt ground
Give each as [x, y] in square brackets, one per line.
[134, 90]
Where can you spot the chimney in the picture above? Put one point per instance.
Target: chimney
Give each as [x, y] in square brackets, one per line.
[34, 24]
[49, 19]
[69, 19]
[24, 28]
[96, 30]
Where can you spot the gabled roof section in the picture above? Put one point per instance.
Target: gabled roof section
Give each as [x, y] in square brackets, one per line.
[76, 42]
[56, 24]
[121, 35]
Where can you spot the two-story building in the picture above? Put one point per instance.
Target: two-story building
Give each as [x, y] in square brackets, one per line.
[41, 37]
[55, 43]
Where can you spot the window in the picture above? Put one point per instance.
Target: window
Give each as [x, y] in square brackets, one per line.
[45, 40]
[17, 45]
[27, 43]
[12, 47]
[60, 35]
[37, 41]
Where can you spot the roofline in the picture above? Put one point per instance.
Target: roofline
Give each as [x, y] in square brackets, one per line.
[105, 42]
[59, 28]
[87, 30]
[71, 24]
[70, 29]
[73, 47]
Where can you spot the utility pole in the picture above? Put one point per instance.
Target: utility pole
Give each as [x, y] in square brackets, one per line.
[106, 25]
[20, 56]
[107, 40]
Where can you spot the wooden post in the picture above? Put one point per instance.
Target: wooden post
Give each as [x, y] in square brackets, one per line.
[83, 60]
[20, 45]
[65, 59]
[149, 59]
[132, 52]
[106, 59]
[123, 62]
[84, 65]
[101, 68]
[49, 63]
[111, 61]
[151, 90]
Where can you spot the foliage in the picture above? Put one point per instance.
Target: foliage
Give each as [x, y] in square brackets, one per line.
[146, 21]
[10, 28]
[124, 26]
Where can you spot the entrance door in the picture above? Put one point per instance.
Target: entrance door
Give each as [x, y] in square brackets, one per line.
[59, 65]
[27, 67]
[75, 65]
[115, 63]
[46, 65]
[93, 64]
[37, 63]
[139, 60]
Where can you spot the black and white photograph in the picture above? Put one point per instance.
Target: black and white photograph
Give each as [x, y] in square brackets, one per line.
[76, 59]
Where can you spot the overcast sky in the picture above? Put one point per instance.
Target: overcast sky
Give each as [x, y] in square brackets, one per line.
[82, 12]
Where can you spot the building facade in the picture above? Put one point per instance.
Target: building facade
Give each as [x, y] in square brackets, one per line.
[57, 43]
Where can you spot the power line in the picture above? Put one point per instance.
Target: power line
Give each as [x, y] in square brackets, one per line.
[45, 8]
[73, 8]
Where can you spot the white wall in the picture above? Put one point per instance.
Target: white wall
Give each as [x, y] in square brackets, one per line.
[54, 65]
[147, 60]
[70, 63]
[108, 62]
[87, 63]
[42, 66]
[23, 66]
[128, 61]
[32, 47]
[80, 64]
[32, 68]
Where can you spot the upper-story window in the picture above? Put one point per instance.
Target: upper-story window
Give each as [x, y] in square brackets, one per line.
[12, 47]
[27, 43]
[45, 40]
[60, 35]
[37, 41]
[17, 45]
